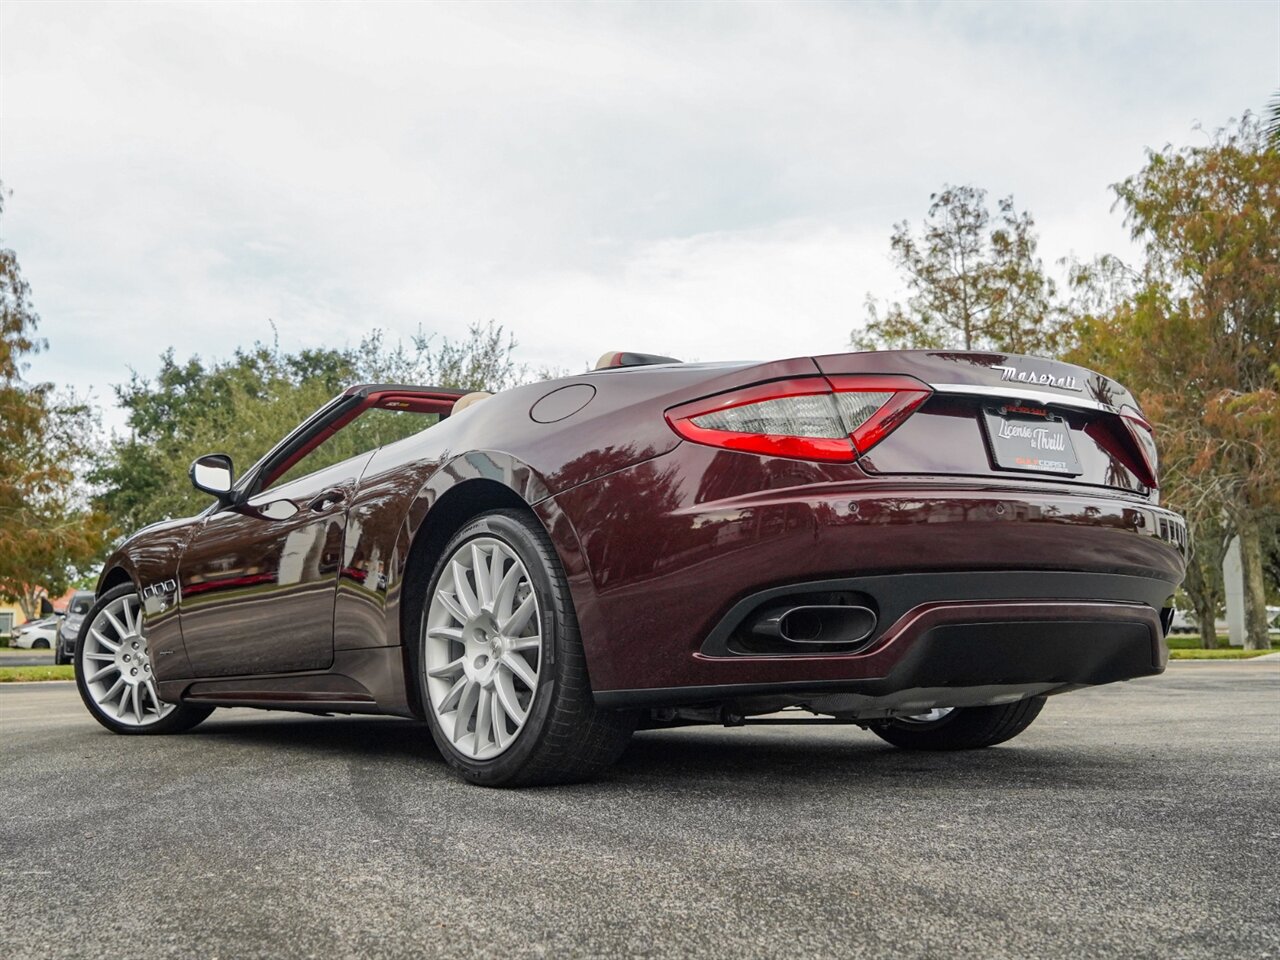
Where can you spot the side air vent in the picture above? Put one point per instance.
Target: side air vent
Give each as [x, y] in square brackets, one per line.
[1173, 531]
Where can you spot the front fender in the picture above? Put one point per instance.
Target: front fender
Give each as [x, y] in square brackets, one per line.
[149, 559]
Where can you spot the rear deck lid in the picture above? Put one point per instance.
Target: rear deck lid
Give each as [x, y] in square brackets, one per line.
[994, 414]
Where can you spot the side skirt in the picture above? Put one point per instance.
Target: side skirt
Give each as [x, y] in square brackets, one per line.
[369, 681]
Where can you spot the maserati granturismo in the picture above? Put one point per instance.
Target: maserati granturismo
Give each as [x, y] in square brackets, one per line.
[925, 544]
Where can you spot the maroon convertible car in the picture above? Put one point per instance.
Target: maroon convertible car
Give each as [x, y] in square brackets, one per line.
[925, 544]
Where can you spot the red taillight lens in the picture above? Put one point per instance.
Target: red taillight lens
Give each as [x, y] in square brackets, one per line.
[812, 418]
[1133, 444]
[1145, 439]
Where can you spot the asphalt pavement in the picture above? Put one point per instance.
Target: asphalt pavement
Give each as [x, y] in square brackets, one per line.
[1140, 819]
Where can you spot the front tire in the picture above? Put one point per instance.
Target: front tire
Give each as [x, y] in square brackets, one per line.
[113, 670]
[960, 728]
[502, 673]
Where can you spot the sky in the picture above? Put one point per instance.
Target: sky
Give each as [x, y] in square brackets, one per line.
[706, 181]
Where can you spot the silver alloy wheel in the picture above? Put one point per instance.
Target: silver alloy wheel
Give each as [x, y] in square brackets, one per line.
[929, 716]
[117, 665]
[483, 649]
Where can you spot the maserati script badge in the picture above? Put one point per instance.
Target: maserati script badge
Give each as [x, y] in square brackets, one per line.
[1040, 379]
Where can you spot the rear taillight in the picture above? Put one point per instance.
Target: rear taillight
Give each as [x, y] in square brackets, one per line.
[1145, 440]
[811, 418]
[1132, 444]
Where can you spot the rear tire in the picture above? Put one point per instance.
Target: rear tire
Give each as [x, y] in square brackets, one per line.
[964, 728]
[501, 670]
[113, 671]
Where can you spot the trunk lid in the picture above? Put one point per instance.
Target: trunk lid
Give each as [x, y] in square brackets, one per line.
[986, 408]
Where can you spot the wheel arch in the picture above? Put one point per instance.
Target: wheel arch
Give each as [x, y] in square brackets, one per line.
[450, 512]
[111, 578]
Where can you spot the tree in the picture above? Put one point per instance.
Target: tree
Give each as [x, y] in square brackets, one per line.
[973, 286]
[1195, 331]
[1203, 584]
[48, 535]
[243, 405]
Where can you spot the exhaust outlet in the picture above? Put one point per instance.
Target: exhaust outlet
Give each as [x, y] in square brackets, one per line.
[816, 624]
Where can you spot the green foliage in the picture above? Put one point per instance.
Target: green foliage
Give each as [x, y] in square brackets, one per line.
[21, 404]
[48, 535]
[973, 285]
[1273, 121]
[33, 674]
[1228, 653]
[1194, 330]
[243, 405]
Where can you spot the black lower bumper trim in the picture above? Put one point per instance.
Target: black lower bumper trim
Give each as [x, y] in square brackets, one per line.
[892, 595]
[1063, 654]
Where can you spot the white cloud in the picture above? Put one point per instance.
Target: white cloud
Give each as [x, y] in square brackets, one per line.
[702, 180]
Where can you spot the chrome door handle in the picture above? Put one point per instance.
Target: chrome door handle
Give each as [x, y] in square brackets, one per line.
[327, 500]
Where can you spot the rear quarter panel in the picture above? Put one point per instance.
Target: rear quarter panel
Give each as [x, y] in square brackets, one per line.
[619, 425]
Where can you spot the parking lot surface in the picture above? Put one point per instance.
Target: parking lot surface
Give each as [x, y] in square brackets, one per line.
[1141, 819]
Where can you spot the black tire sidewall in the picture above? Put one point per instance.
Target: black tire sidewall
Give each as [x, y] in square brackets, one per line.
[514, 532]
[965, 728]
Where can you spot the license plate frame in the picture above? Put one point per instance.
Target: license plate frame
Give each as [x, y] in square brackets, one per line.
[1030, 440]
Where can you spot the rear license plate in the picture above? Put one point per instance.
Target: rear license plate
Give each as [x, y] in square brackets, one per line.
[1026, 438]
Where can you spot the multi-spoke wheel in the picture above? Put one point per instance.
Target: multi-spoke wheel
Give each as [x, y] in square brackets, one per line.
[501, 662]
[483, 647]
[960, 728]
[114, 673]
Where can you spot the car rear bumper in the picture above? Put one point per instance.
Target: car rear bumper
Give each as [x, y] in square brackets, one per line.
[955, 653]
[973, 584]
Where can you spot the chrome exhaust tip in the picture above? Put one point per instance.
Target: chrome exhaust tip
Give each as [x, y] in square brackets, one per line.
[814, 623]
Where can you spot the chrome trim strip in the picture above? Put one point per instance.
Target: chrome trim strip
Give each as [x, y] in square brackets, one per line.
[1023, 393]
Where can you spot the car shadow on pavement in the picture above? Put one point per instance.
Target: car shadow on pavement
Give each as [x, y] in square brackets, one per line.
[822, 755]
[854, 756]
[389, 737]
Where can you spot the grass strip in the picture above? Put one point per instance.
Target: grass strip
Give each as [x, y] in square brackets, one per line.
[1235, 653]
[23, 674]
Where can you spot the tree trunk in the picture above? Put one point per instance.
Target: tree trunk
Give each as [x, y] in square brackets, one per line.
[1206, 613]
[29, 601]
[1203, 584]
[1255, 594]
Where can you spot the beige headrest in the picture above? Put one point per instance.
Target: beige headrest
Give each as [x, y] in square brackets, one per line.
[468, 399]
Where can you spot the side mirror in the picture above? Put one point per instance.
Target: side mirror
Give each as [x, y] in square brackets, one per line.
[214, 475]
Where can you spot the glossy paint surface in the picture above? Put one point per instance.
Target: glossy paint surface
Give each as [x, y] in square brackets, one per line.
[946, 437]
[658, 536]
[718, 525]
[259, 581]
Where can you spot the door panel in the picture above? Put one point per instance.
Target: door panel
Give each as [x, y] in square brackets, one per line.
[258, 581]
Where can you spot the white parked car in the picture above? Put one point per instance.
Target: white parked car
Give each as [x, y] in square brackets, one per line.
[36, 634]
[1184, 621]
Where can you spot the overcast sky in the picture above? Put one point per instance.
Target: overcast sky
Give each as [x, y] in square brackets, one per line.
[710, 181]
